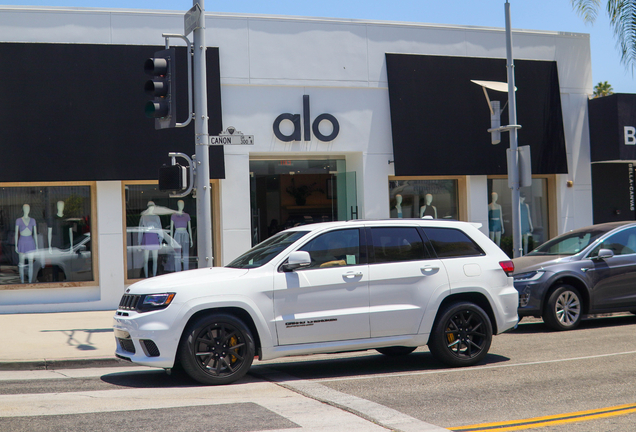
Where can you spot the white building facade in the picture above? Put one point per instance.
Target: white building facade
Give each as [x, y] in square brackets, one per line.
[344, 161]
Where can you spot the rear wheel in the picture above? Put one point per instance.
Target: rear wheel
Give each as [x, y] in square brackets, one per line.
[563, 310]
[395, 351]
[216, 349]
[461, 335]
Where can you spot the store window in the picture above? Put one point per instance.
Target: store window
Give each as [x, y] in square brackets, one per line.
[423, 198]
[533, 212]
[290, 192]
[160, 232]
[45, 234]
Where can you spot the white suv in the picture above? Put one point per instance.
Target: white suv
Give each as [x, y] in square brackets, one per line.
[389, 285]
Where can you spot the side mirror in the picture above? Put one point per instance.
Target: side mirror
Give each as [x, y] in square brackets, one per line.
[605, 253]
[296, 260]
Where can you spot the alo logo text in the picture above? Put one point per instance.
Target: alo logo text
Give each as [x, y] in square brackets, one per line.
[308, 127]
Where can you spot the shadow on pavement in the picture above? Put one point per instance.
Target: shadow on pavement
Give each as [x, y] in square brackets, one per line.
[364, 365]
[534, 325]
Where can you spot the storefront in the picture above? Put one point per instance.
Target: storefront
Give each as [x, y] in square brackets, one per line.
[350, 119]
[613, 152]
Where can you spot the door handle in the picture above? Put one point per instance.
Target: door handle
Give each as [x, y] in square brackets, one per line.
[352, 274]
[427, 271]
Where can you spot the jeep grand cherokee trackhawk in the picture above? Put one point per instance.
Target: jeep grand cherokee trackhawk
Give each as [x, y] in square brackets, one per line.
[329, 287]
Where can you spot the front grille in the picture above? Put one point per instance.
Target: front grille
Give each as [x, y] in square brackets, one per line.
[150, 348]
[127, 345]
[129, 302]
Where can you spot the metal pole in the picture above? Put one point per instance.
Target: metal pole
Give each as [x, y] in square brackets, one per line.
[204, 198]
[512, 120]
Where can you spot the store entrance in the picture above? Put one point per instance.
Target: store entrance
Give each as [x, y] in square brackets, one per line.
[287, 193]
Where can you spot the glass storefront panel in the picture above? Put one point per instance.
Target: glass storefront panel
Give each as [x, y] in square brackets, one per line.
[160, 232]
[287, 193]
[533, 212]
[45, 234]
[421, 198]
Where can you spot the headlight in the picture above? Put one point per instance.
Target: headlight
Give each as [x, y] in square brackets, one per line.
[529, 276]
[155, 301]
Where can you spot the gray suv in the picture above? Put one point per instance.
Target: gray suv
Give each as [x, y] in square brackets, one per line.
[585, 271]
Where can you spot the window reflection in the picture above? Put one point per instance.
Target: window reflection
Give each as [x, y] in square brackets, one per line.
[160, 232]
[45, 233]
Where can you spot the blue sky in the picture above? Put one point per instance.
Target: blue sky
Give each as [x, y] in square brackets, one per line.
[555, 15]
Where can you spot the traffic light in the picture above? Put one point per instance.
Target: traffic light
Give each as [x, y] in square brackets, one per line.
[173, 178]
[162, 88]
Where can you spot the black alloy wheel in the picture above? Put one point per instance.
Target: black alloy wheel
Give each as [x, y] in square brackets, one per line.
[564, 309]
[395, 351]
[216, 349]
[461, 335]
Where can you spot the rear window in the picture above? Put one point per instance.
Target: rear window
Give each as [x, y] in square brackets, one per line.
[398, 244]
[450, 242]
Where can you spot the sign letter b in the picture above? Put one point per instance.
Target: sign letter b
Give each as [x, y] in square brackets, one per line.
[630, 135]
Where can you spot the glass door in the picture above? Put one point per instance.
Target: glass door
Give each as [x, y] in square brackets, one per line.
[288, 193]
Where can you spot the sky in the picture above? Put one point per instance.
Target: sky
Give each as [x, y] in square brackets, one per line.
[553, 15]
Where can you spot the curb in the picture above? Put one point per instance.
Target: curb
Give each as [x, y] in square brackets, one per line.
[49, 364]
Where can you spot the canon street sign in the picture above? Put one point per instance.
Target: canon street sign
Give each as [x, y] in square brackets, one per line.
[231, 136]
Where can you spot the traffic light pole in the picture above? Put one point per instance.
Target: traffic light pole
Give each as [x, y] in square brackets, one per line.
[513, 170]
[202, 159]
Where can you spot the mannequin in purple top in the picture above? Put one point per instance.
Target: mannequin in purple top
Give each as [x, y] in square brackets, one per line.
[181, 231]
[150, 237]
[26, 242]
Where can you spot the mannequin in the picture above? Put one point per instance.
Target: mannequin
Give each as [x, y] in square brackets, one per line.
[526, 222]
[182, 235]
[398, 205]
[57, 232]
[26, 242]
[427, 209]
[150, 236]
[495, 220]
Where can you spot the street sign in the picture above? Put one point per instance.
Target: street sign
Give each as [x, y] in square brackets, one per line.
[191, 19]
[231, 136]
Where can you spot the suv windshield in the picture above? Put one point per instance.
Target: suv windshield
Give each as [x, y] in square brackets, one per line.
[568, 244]
[263, 252]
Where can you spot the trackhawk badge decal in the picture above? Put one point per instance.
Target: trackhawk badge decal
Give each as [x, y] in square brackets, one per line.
[292, 324]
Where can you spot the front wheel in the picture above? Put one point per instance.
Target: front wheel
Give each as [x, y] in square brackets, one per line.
[461, 335]
[563, 311]
[216, 349]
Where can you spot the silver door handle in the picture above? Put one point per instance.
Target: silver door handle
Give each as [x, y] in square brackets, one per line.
[353, 274]
[429, 270]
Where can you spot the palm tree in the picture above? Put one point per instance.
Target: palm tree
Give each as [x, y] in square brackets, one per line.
[603, 89]
[622, 14]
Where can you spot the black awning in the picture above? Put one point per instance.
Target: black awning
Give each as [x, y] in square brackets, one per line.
[75, 112]
[439, 118]
[613, 128]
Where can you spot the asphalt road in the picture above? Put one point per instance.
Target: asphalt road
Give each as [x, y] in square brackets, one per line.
[532, 375]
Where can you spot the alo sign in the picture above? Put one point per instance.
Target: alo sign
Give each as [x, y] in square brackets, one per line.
[308, 127]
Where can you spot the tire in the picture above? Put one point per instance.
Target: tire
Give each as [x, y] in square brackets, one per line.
[395, 351]
[564, 309]
[461, 335]
[216, 349]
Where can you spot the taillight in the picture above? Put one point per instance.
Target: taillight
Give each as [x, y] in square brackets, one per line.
[507, 266]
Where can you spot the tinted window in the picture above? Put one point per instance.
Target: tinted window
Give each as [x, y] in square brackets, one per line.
[450, 242]
[397, 244]
[621, 243]
[334, 249]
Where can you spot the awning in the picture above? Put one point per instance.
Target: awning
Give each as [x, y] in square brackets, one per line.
[440, 117]
[613, 128]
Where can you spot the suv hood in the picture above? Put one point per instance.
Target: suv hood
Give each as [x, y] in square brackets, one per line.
[185, 279]
[535, 262]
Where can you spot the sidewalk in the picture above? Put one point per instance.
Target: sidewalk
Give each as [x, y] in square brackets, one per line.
[57, 340]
